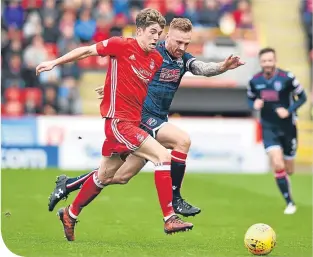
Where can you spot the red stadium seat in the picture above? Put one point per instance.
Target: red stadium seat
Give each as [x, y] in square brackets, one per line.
[88, 63]
[13, 108]
[101, 62]
[31, 4]
[33, 94]
[13, 94]
[2, 110]
[52, 49]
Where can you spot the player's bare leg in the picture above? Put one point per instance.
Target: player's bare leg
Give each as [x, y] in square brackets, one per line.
[89, 191]
[174, 138]
[65, 185]
[129, 169]
[153, 151]
[277, 160]
[290, 165]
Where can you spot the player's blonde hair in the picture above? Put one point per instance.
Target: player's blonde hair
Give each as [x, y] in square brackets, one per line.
[182, 24]
[148, 17]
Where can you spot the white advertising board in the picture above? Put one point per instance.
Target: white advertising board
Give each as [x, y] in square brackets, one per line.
[218, 145]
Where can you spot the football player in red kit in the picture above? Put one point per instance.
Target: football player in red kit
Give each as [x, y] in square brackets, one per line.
[133, 63]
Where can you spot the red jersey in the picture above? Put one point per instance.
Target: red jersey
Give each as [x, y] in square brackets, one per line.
[130, 71]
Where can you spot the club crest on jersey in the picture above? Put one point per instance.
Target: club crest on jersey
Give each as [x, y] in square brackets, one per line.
[277, 85]
[140, 137]
[151, 122]
[180, 62]
[152, 65]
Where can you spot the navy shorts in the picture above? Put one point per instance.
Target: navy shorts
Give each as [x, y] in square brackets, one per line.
[151, 123]
[284, 138]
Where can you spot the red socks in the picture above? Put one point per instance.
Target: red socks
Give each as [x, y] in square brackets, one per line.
[90, 189]
[163, 183]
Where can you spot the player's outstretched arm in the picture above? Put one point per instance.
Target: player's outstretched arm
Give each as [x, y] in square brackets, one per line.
[210, 69]
[74, 55]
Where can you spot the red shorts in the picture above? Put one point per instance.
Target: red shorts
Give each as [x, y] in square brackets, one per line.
[122, 137]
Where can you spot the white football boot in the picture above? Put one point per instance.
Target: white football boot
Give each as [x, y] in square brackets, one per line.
[290, 209]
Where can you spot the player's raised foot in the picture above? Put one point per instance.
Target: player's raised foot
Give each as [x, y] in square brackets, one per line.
[60, 192]
[290, 209]
[68, 223]
[175, 224]
[181, 207]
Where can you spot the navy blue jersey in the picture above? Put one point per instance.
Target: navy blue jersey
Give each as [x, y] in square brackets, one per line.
[279, 91]
[165, 82]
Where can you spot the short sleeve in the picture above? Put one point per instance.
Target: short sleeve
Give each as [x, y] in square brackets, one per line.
[188, 59]
[111, 46]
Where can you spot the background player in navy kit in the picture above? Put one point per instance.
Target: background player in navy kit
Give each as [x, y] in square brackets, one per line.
[273, 92]
[161, 91]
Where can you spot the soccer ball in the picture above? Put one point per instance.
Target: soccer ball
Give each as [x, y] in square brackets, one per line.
[260, 239]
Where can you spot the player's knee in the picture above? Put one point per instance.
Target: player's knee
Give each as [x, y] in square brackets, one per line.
[290, 168]
[278, 164]
[106, 180]
[165, 156]
[183, 143]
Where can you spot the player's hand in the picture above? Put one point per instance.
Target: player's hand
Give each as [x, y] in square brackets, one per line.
[232, 62]
[258, 104]
[100, 92]
[45, 66]
[282, 112]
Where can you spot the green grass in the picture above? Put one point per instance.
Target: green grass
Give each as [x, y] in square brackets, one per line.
[127, 221]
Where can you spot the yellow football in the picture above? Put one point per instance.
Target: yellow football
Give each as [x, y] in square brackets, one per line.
[260, 239]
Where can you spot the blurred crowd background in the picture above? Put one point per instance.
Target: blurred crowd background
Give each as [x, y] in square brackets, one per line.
[33, 31]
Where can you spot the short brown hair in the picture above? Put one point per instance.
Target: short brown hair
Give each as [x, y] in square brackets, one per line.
[148, 17]
[267, 50]
[182, 24]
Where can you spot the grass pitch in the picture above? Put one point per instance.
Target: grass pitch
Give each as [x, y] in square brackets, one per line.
[126, 220]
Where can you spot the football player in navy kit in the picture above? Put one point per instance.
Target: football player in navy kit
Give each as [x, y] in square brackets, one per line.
[277, 94]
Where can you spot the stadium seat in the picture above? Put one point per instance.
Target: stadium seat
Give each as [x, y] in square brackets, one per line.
[31, 4]
[13, 94]
[52, 49]
[14, 108]
[33, 94]
[88, 63]
[101, 62]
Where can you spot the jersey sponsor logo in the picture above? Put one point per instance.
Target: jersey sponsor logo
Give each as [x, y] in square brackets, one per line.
[169, 75]
[269, 95]
[141, 73]
[145, 72]
[152, 65]
[278, 85]
[151, 122]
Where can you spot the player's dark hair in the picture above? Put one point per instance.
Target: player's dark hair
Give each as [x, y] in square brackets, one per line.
[182, 24]
[148, 17]
[267, 50]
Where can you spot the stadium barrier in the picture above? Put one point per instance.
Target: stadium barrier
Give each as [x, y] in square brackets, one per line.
[74, 143]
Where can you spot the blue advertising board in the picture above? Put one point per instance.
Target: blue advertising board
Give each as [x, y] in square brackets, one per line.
[25, 157]
[19, 131]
